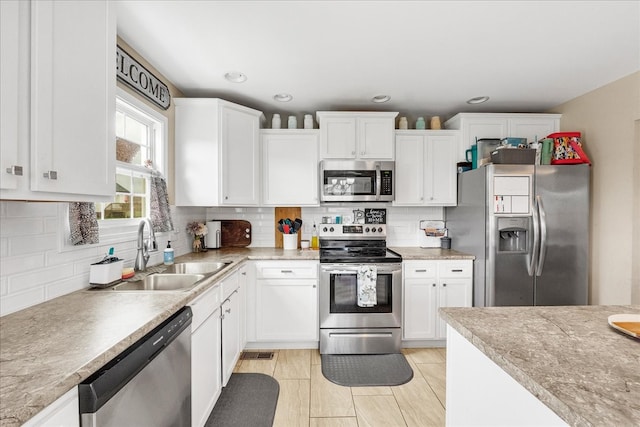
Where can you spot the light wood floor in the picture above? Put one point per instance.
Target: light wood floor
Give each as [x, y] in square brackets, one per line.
[307, 398]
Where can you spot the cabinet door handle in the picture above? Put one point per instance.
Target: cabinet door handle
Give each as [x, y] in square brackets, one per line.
[50, 175]
[15, 170]
[286, 271]
[434, 285]
[421, 270]
[457, 270]
[228, 311]
[244, 273]
[314, 286]
[353, 152]
[444, 285]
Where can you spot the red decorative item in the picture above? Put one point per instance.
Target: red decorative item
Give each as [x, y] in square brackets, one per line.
[567, 149]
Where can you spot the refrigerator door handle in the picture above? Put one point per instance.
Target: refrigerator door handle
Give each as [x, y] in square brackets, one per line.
[533, 253]
[543, 236]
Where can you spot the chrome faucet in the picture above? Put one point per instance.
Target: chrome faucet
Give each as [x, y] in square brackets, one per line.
[144, 248]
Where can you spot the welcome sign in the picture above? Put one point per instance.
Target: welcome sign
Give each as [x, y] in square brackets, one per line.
[135, 75]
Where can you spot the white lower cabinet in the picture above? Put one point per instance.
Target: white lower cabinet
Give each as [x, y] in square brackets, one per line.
[206, 351]
[63, 412]
[286, 301]
[230, 313]
[429, 285]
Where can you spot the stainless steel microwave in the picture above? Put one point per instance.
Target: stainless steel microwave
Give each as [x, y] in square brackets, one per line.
[356, 181]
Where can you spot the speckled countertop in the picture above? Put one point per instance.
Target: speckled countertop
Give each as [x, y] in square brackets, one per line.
[568, 357]
[47, 349]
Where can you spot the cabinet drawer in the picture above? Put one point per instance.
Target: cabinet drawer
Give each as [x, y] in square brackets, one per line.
[204, 305]
[420, 269]
[455, 268]
[287, 270]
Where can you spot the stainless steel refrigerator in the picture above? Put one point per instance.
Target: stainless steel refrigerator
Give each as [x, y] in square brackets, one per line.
[528, 227]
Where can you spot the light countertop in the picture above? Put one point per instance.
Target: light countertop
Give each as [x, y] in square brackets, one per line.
[48, 349]
[568, 357]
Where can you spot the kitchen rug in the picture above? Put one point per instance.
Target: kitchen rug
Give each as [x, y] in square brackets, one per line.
[366, 370]
[247, 400]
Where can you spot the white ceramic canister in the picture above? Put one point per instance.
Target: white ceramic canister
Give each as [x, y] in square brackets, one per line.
[293, 122]
[308, 121]
[403, 123]
[435, 123]
[276, 122]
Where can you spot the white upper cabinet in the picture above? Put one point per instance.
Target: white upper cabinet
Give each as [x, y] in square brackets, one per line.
[501, 125]
[58, 100]
[217, 153]
[426, 168]
[289, 167]
[356, 135]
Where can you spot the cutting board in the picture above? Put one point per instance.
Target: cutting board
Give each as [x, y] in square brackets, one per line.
[283, 213]
[235, 233]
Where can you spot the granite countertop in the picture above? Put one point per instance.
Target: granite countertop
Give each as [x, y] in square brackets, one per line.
[48, 349]
[568, 357]
[413, 253]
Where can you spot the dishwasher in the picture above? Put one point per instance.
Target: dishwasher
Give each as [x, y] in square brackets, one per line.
[149, 384]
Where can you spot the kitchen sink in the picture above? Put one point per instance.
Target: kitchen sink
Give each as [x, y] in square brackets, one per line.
[161, 282]
[196, 267]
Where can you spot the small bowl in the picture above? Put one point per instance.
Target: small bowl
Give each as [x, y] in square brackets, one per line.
[304, 244]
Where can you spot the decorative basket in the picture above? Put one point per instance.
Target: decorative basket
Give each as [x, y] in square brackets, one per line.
[126, 150]
[567, 148]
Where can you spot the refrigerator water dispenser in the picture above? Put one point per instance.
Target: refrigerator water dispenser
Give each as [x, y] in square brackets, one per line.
[512, 235]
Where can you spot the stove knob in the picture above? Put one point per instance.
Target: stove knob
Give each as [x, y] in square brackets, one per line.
[324, 230]
[380, 229]
[331, 229]
[373, 229]
[366, 230]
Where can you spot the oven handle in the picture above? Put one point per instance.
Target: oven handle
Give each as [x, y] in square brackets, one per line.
[354, 270]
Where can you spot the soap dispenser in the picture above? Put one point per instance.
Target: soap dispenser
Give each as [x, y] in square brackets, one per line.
[168, 254]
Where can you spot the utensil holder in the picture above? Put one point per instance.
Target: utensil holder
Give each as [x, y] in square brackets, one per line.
[290, 242]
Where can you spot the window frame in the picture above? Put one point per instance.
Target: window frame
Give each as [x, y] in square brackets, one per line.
[113, 231]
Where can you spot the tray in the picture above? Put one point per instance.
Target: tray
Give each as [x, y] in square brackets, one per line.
[626, 323]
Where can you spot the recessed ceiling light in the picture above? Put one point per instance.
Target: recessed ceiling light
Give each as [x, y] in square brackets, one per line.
[379, 99]
[282, 97]
[478, 100]
[235, 77]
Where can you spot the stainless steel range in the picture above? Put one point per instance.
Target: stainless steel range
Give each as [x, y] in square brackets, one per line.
[360, 290]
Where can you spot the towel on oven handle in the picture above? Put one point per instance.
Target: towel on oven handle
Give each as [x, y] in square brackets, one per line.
[367, 291]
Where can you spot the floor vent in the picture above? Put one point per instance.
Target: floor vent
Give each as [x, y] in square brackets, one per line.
[256, 355]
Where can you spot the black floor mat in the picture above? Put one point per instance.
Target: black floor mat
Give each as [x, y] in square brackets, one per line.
[247, 400]
[366, 370]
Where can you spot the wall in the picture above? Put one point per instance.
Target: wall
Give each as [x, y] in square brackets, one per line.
[607, 118]
[35, 265]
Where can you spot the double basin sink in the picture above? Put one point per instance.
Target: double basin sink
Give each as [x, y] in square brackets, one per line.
[177, 277]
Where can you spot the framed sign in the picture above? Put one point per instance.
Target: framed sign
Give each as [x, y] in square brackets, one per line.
[375, 216]
[136, 76]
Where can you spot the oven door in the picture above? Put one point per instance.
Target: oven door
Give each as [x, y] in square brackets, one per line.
[338, 297]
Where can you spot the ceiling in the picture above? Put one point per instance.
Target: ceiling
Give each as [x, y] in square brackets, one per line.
[428, 56]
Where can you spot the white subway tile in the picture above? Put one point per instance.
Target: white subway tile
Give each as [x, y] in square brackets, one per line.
[14, 302]
[10, 227]
[32, 244]
[21, 264]
[37, 278]
[63, 287]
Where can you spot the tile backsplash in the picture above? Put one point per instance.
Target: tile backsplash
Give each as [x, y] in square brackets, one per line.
[36, 265]
[402, 222]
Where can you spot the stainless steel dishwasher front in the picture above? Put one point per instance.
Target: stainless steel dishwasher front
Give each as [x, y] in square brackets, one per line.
[149, 384]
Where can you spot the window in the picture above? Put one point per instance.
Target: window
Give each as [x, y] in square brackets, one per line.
[140, 136]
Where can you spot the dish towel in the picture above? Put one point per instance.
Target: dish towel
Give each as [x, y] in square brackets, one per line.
[160, 214]
[367, 291]
[83, 224]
